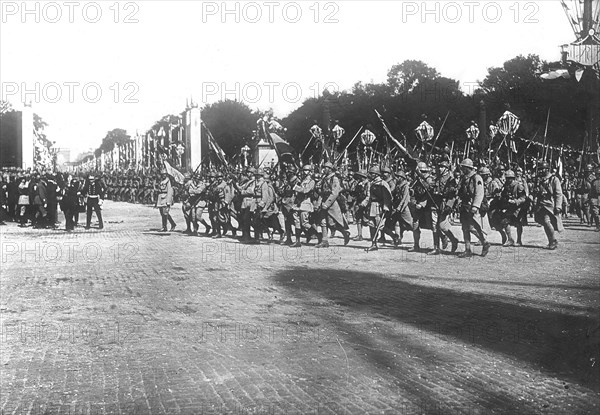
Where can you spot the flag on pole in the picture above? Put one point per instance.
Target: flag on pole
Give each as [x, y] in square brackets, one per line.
[508, 124]
[173, 172]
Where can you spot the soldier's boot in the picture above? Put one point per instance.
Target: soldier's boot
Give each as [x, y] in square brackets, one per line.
[257, 236]
[519, 235]
[188, 227]
[297, 244]
[358, 237]
[195, 233]
[269, 236]
[346, 236]
[436, 245]
[509, 240]
[207, 228]
[552, 245]
[466, 254]
[486, 248]
[217, 232]
[503, 235]
[444, 240]
[323, 244]
[164, 224]
[172, 222]
[373, 246]
[282, 237]
[310, 232]
[454, 241]
[416, 246]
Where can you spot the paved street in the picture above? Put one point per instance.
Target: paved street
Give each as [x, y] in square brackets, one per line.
[129, 321]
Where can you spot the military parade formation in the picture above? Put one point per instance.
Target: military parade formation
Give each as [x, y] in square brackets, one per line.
[318, 202]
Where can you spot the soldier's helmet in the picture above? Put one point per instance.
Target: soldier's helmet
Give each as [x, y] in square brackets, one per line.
[484, 171]
[589, 168]
[386, 169]
[259, 172]
[307, 168]
[444, 164]
[163, 171]
[328, 165]
[401, 173]
[361, 174]
[187, 176]
[509, 174]
[91, 177]
[218, 175]
[375, 170]
[251, 170]
[544, 165]
[423, 167]
[467, 163]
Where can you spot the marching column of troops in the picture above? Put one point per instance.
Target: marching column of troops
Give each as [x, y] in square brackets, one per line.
[317, 203]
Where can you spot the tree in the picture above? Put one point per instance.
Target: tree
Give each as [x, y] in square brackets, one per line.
[404, 77]
[231, 123]
[116, 136]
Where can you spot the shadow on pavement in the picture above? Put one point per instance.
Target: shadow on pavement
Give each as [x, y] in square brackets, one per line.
[565, 346]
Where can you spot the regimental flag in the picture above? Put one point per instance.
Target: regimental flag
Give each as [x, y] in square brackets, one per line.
[173, 172]
[424, 131]
[508, 124]
[214, 146]
[367, 137]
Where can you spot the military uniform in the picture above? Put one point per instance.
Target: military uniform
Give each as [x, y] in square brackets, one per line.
[511, 202]
[549, 203]
[330, 211]
[303, 204]
[595, 199]
[164, 201]
[471, 194]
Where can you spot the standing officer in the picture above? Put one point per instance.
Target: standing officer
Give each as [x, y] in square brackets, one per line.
[164, 201]
[248, 204]
[471, 195]
[94, 192]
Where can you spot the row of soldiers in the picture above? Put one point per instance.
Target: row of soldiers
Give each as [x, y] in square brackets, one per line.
[314, 204]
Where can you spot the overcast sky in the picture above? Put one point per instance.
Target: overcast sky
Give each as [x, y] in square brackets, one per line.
[159, 53]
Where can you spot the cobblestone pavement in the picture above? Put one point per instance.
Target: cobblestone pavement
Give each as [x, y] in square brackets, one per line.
[129, 321]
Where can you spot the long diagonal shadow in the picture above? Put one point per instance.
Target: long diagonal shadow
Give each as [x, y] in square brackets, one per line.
[563, 345]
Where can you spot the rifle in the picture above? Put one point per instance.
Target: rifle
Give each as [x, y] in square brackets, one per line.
[438, 136]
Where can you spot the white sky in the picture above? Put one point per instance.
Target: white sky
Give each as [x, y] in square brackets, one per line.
[179, 49]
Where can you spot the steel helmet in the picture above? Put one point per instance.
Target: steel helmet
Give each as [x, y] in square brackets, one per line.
[484, 171]
[509, 174]
[375, 170]
[467, 163]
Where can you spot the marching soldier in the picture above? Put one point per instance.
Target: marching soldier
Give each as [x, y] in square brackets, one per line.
[585, 186]
[330, 213]
[220, 207]
[303, 205]
[248, 204]
[444, 195]
[164, 201]
[380, 198]
[361, 197]
[401, 219]
[423, 204]
[512, 200]
[266, 209]
[549, 203]
[471, 195]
